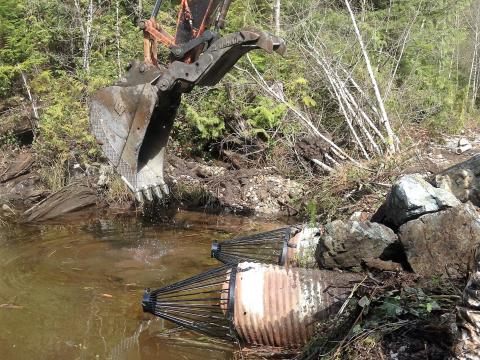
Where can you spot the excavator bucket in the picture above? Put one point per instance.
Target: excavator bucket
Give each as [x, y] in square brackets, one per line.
[132, 120]
[132, 125]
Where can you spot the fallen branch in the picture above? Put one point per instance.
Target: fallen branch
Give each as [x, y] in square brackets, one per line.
[322, 165]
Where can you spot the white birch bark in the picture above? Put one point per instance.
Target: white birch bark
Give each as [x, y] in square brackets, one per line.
[87, 37]
[32, 101]
[473, 78]
[276, 15]
[117, 37]
[392, 139]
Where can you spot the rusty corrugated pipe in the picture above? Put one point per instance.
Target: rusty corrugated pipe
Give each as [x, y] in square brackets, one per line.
[277, 306]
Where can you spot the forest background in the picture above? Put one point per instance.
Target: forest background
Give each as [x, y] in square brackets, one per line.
[361, 81]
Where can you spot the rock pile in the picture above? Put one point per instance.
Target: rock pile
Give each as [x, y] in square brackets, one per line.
[434, 226]
[431, 230]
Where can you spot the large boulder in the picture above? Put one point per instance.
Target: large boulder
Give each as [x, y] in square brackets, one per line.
[411, 197]
[441, 244]
[462, 180]
[347, 244]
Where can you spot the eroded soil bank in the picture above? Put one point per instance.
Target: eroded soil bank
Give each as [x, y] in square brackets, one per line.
[231, 185]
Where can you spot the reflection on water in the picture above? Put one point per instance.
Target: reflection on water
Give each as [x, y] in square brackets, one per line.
[73, 291]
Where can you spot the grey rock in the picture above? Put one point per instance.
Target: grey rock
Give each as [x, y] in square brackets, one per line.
[346, 244]
[442, 244]
[462, 180]
[411, 197]
[104, 174]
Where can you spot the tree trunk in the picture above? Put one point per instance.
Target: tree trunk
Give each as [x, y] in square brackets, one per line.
[30, 97]
[472, 79]
[276, 16]
[117, 37]
[87, 37]
[392, 139]
[139, 11]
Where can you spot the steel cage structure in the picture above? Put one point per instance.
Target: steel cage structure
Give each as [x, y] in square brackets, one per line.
[268, 247]
[202, 303]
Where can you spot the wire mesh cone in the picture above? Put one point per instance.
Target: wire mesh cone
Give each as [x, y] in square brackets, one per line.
[201, 303]
[268, 247]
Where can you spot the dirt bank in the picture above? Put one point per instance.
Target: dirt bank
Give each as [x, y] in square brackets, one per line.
[228, 186]
[26, 184]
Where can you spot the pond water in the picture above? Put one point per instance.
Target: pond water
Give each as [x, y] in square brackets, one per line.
[72, 290]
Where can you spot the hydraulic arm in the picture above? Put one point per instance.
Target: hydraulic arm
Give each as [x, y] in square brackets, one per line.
[132, 119]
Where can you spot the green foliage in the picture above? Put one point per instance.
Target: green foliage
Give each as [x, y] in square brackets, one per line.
[312, 213]
[21, 42]
[207, 123]
[44, 40]
[8, 141]
[264, 115]
[394, 305]
[431, 87]
[63, 124]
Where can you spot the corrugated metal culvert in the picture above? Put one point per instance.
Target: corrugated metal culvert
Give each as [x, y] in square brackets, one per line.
[256, 303]
[278, 306]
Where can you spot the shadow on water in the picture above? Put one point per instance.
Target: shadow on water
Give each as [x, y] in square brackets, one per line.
[72, 290]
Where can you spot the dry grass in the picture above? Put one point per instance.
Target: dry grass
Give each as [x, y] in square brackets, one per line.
[353, 188]
[55, 176]
[117, 191]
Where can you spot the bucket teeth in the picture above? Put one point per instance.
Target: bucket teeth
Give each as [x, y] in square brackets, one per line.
[165, 188]
[148, 194]
[158, 192]
[139, 196]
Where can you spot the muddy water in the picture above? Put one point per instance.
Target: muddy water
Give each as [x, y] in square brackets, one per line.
[73, 291]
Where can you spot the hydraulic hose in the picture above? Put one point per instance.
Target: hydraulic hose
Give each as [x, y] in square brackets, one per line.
[156, 8]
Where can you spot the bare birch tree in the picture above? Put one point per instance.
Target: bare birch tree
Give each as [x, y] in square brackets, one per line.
[32, 102]
[85, 19]
[474, 75]
[276, 15]
[392, 139]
